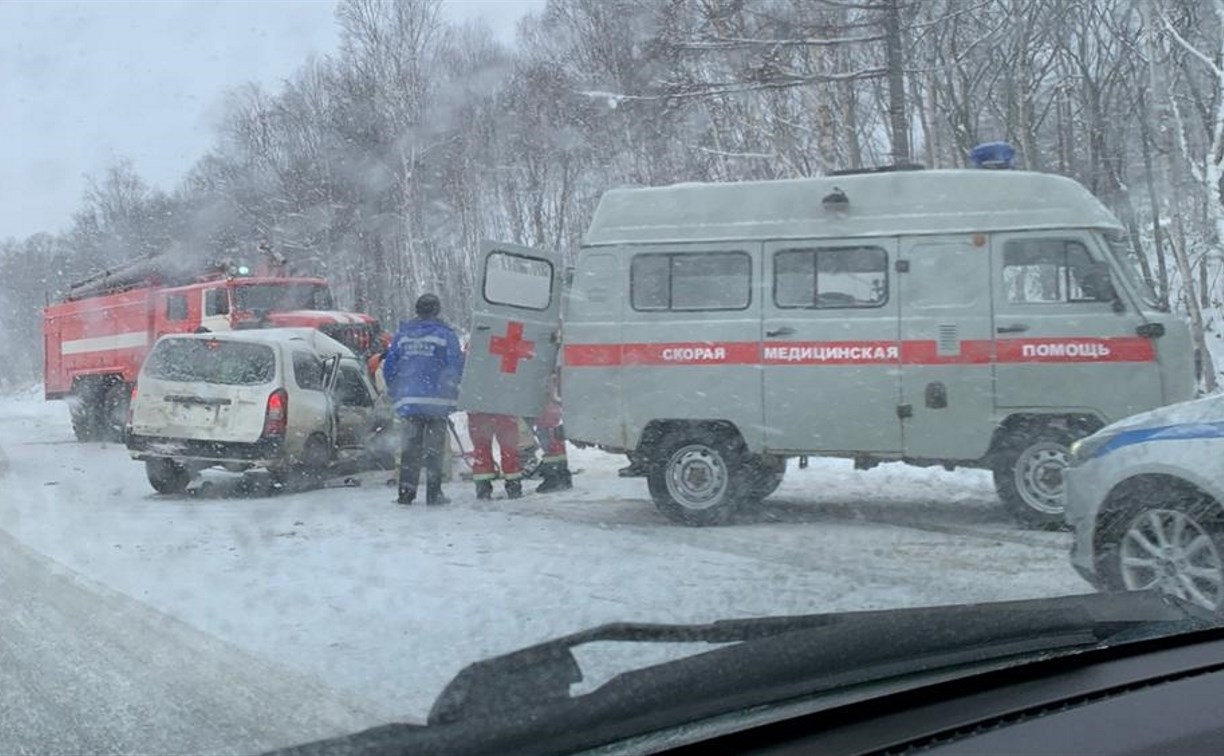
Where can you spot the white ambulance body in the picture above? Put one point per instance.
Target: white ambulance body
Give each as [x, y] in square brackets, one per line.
[964, 318]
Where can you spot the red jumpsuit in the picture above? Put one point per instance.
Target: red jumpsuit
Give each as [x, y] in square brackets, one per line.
[483, 429]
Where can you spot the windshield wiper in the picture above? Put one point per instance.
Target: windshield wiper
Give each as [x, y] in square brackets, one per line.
[521, 701]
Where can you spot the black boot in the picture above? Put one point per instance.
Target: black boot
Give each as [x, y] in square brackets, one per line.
[556, 477]
[484, 489]
[514, 489]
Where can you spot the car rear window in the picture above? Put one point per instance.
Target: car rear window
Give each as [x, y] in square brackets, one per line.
[233, 363]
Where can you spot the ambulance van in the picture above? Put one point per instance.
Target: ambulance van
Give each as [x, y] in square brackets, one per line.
[963, 318]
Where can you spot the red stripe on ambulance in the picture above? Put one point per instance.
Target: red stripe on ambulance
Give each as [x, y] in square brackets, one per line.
[913, 352]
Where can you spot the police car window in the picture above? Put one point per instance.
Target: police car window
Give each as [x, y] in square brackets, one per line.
[307, 371]
[689, 281]
[350, 389]
[831, 278]
[518, 281]
[1044, 271]
[176, 307]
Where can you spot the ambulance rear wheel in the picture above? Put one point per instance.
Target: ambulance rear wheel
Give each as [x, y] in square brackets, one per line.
[167, 476]
[698, 475]
[767, 473]
[1028, 475]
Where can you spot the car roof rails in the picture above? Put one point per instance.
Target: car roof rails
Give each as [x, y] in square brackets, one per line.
[879, 169]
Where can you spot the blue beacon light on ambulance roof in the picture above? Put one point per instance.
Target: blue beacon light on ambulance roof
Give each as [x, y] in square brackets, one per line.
[996, 155]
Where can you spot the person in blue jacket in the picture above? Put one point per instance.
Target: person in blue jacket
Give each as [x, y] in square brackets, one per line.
[422, 368]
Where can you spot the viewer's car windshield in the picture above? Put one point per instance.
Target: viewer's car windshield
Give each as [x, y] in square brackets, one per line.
[282, 297]
[212, 361]
[347, 343]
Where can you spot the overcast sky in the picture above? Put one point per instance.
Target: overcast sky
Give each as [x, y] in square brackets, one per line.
[84, 83]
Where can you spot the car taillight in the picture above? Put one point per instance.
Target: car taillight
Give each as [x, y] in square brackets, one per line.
[277, 415]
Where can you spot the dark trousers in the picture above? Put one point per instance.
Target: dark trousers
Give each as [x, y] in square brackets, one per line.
[421, 443]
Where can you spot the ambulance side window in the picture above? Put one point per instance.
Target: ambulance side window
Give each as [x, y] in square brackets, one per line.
[307, 371]
[691, 281]
[176, 307]
[1051, 271]
[518, 281]
[831, 278]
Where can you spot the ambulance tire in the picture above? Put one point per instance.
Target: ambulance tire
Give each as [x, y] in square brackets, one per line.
[767, 474]
[1028, 469]
[699, 475]
[167, 476]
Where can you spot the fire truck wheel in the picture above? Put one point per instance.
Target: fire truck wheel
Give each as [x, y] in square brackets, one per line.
[1028, 474]
[114, 410]
[84, 419]
[767, 473]
[167, 476]
[698, 475]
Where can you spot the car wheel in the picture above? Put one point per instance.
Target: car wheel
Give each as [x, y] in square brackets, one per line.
[1028, 475]
[767, 473]
[698, 476]
[1178, 550]
[311, 468]
[167, 476]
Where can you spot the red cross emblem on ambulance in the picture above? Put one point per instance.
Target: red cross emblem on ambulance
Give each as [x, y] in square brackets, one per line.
[512, 347]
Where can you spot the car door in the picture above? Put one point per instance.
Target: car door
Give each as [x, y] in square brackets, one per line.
[947, 379]
[354, 403]
[512, 352]
[830, 357]
[1063, 341]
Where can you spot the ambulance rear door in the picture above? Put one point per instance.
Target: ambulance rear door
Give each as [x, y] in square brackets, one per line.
[514, 333]
[1064, 339]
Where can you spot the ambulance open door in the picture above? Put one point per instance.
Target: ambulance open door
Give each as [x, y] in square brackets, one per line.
[514, 331]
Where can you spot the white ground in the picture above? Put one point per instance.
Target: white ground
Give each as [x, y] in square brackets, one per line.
[385, 604]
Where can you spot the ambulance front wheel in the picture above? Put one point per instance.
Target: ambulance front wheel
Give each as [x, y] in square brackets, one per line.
[767, 474]
[698, 475]
[1028, 475]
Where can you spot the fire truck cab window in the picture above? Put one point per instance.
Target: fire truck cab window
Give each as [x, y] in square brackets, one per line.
[176, 307]
[283, 297]
[216, 302]
[308, 371]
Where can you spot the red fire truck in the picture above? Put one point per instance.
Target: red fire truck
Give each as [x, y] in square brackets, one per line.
[96, 339]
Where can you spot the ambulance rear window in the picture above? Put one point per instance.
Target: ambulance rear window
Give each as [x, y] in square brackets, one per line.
[691, 281]
[232, 363]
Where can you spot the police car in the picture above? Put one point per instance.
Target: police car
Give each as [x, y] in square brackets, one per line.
[1144, 497]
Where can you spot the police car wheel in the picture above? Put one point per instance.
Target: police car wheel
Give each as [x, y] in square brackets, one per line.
[167, 476]
[1028, 475]
[698, 476]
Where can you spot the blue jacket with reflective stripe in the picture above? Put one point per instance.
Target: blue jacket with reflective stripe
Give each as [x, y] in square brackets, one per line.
[422, 367]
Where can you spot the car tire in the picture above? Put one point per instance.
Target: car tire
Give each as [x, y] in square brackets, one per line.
[767, 472]
[1028, 470]
[698, 475]
[1133, 556]
[167, 476]
[311, 468]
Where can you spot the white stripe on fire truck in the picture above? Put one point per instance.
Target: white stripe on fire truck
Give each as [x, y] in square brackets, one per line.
[130, 340]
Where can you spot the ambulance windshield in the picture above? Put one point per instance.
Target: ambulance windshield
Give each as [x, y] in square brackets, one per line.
[1120, 247]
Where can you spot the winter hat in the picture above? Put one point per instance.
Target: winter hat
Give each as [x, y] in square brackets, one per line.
[428, 306]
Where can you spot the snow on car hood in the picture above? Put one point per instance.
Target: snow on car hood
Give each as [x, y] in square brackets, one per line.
[1205, 410]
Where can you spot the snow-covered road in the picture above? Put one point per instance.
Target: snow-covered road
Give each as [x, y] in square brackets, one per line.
[384, 604]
